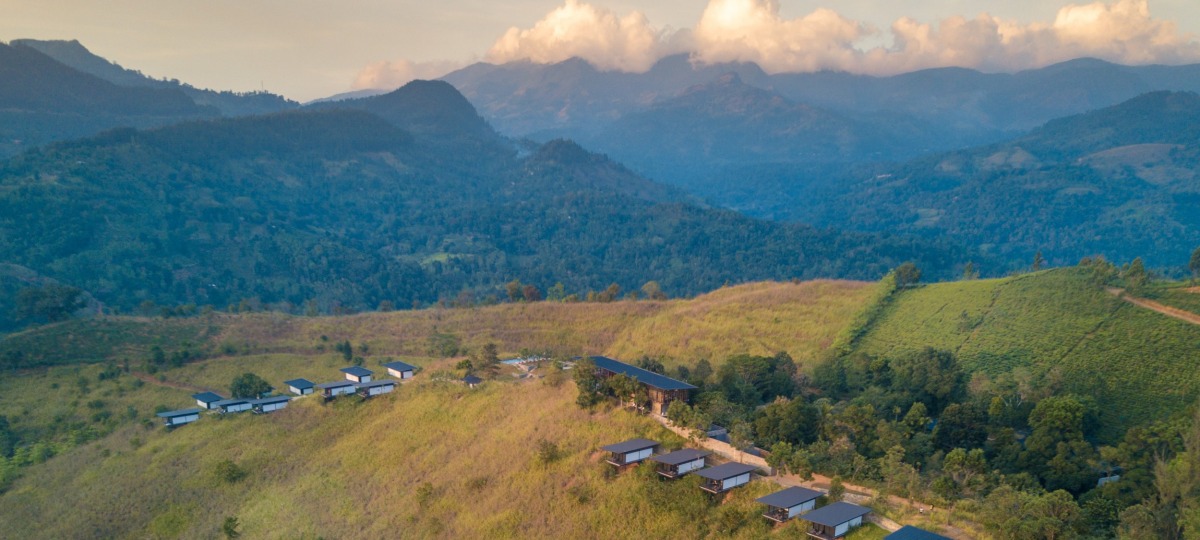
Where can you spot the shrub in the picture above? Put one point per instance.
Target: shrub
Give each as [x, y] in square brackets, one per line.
[229, 472]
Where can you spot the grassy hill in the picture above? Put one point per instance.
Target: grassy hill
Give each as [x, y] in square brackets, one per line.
[1135, 363]
[432, 460]
[761, 318]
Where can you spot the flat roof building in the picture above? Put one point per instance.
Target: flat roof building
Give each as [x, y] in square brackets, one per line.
[631, 452]
[178, 418]
[835, 520]
[358, 374]
[375, 388]
[661, 389]
[206, 399]
[400, 370]
[334, 389]
[680, 462]
[235, 405]
[271, 404]
[725, 477]
[300, 387]
[908, 532]
[786, 504]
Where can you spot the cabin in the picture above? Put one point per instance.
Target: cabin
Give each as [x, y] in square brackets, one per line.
[789, 503]
[835, 520]
[300, 387]
[206, 399]
[233, 405]
[661, 388]
[358, 374]
[725, 477]
[271, 404]
[400, 370]
[375, 388]
[472, 381]
[337, 388]
[629, 453]
[680, 462]
[908, 532]
[178, 418]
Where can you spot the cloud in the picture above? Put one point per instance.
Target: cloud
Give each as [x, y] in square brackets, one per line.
[394, 74]
[1121, 31]
[576, 29]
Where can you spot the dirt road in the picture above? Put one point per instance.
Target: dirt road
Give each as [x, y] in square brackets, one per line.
[1176, 313]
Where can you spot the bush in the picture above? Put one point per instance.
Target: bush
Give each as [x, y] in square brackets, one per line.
[229, 472]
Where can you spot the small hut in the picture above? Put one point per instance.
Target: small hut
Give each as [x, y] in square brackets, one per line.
[472, 381]
[358, 374]
[178, 418]
[375, 388]
[300, 387]
[271, 404]
[835, 520]
[680, 462]
[235, 405]
[207, 399]
[629, 453]
[725, 477]
[788, 503]
[334, 389]
[400, 370]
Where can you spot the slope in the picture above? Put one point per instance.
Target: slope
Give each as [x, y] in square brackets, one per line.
[42, 100]
[508, 460]
[75, 55]
[1057, 329]
[344, 209]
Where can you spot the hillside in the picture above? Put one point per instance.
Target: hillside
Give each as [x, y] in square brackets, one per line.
[42, 100]
[73, 54]
[760, 318]
[342, 209]
[1119, 181]
[1060, 332]
[433, 459]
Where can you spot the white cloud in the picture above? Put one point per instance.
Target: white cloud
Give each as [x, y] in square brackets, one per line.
[598, 35]
[1121, 31]
[394, 74]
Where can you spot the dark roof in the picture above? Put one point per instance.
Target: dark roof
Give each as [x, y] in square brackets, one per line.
[207, 397]
[181, 412]
[400, 366]
[334, 384]
[373, 384]
[632, 445]
[681, 456]
[787, 498]
[264, 401]
[471, 379]
[302, 384]
[726, 470]
[225, 402]
[908, 532]
[835, 514]
[357, 371]
[662, 382]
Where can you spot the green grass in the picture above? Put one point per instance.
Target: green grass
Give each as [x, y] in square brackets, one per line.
[1179, 295]
[1135, 363]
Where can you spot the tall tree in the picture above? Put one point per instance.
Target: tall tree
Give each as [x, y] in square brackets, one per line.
[1194, 263]
[249, 385]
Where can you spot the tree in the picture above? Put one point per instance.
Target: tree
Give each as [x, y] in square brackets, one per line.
[1038, 261]
[1194, 263]
[741, 436]
[386, 306]
[557, 293]
[703, 371]
[230, 527]
[488, 361]
[514, 290]
[587, 383]
[51, 302]
[970, 272]
[249, 385]
[654, 291]
[1135, 275]
[347, 351]
[531, 293]
[907, 275]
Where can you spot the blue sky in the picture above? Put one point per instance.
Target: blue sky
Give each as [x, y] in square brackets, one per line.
[311, 48]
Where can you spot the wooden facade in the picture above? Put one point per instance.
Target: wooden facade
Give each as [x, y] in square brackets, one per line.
[661, 389]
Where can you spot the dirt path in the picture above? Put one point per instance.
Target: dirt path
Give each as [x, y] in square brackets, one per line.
[854, 493]
[1176, 313]
[146, 377]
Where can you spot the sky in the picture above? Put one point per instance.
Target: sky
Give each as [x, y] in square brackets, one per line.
[306, 49]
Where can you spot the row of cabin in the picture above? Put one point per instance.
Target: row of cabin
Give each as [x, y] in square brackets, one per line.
[829, 522]
[358, 381]
[214, 402]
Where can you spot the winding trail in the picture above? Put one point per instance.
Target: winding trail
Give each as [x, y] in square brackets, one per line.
[1175, 313]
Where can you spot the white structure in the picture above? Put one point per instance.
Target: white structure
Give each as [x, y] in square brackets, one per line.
[630, 452]
[400, 370]
[376, 388]
[207, 400]
[180, 417]
[233, 405]
[680, 462]
[725, 477]
[300, 387]
[271, 404]
[335, 389]
[358, 374]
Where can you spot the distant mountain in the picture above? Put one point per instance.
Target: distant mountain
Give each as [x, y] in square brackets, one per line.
[353, 94]
[920, 112]
[42, 100]
[1121, 181]
[75, 55]
[409, 198]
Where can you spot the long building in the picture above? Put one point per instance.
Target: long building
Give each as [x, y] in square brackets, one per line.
[661, 388]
